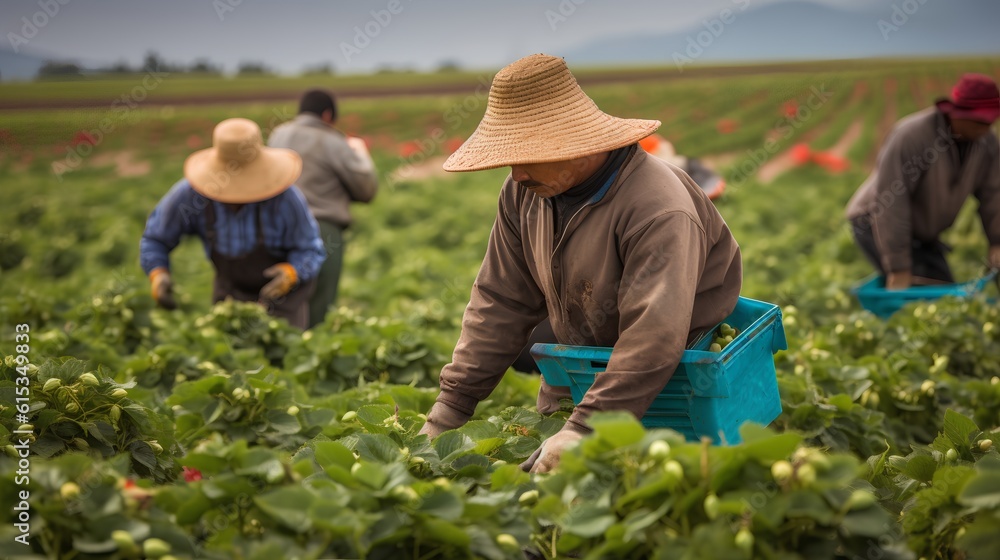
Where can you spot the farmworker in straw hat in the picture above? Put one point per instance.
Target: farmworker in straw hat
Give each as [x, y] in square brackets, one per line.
[615, 247]
[238, 196]
[931, 162]
[336, 171]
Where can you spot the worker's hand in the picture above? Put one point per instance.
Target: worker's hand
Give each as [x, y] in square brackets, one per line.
[442, 418]
[162, 288]
[546, 457]
[994, 256]
[284, 279]
[899, 280]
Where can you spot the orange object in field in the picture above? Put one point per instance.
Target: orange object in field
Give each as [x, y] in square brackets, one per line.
[830, 162]
[650, 143]
[727, 126]
[790, 108]
[801, 154]
[452, 144]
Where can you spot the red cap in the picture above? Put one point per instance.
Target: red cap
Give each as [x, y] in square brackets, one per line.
[975, 97]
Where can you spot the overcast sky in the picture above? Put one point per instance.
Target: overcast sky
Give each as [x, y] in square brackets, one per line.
[291, 34]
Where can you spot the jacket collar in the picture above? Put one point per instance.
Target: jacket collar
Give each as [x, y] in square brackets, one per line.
[309, 119]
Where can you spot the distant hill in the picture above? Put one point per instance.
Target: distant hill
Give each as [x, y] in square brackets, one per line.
[18, 66]
[805, 31]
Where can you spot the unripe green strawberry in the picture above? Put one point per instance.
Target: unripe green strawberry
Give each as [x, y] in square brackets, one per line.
[69, 490]
[26, 428]
[744, 541]
[659, 450]
[119, 393]
[123, 539]
[674, 472]
[781, 470]
[860, 499]
[507, 541]
[951, 455]
[90, 380]
[293, 410]
[985, 445]
[155, 548]
[715, 347]
[711, 505]
[72, 408]
[157, 448]
[404, 494]
[51, 385]
[349, 416]
[528, 498]
[806, 474]
[115, 413]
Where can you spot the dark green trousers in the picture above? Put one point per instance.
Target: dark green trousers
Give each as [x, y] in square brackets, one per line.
[329, 274]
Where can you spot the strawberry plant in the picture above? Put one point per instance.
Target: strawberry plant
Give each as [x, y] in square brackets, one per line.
[77, 411]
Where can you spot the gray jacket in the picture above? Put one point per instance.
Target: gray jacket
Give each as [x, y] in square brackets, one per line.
[333, 175]
[918, 186]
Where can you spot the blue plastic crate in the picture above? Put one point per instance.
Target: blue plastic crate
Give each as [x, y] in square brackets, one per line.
[711, 393]
[874, 297]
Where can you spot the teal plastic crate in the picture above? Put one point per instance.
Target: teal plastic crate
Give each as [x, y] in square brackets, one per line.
[874, 297]
[711, 393]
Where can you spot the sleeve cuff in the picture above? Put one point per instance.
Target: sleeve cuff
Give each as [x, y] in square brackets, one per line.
[459, 402]
[578, 423]
[897, 263]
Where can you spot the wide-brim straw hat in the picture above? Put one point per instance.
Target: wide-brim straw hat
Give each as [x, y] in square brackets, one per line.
[239, 168]
[538, 113]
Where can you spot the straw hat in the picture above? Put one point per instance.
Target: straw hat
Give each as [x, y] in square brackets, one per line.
[239, 168]
[537, 113]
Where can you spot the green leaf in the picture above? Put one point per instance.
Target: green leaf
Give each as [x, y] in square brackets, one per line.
[481, 429]
[588, 520]
[920, 467]
[379, 448]
[441, 504]
[440, 531]
[487, 446]
[333, 453]
[264, 463]
[620, 428]
[451, 444]
[508, 477]
[958, 428]
[288, 506]
[982, 491]
[770, 448]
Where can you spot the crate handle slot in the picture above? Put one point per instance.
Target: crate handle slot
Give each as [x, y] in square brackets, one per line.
[598, 365]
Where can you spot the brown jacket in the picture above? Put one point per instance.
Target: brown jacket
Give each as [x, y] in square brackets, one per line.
[644, 268]
[918, 186]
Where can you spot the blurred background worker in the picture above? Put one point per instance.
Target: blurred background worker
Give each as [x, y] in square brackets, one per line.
[930, 164]
[238, 196]
[336, 170]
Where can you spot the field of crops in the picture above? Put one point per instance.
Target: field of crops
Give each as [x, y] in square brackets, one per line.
[220, 433]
